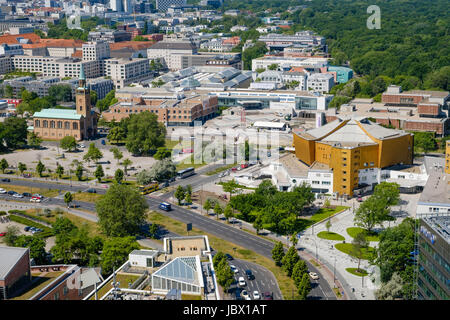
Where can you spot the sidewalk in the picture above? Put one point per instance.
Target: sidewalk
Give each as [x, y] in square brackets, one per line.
[340, 283]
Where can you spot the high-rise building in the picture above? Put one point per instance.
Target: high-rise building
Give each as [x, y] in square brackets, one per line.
[163, 5]
[434, 258]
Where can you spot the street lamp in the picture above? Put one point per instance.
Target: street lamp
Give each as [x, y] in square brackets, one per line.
[334, 272]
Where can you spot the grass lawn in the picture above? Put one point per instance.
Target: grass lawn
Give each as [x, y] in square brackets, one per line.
[354, 271]
[39, 284]
[21, 189]
[353, 231]
[93, 228]
[86, 196]
[330, 236]
[347, 247]
[124, 279]
[240, 186]
[182, 166]
[285, 283]
[321, 214]
[190, 297]
[225, 167]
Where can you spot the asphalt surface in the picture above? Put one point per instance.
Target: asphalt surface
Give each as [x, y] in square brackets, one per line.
[264, 280]
[320, 290]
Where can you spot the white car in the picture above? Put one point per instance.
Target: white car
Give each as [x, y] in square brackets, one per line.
[82, 146]
[35, 200]
[2, 190]
[244, 294]
[314, 275]
[17, 195]
[234, 269]
[241, 282]
[256, 295]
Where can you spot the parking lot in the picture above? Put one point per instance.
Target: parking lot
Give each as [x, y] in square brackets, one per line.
[263, 281]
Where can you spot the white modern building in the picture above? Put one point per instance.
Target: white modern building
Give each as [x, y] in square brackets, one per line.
[169, 52]
[123, 72]
[320, 82]
[285, 64]
[96, 50]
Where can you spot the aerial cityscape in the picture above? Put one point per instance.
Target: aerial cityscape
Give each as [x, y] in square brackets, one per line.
[206, 150]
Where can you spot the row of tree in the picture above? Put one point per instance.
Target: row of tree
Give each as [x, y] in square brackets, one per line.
[224, 274]
[294, 266]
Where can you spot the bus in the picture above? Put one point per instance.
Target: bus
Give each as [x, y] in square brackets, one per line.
[185, 173]
[165, 206]
[149, 188]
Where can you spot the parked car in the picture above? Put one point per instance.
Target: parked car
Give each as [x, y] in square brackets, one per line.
[359, 199]
[27, 175]
[82, 146]
[256, 295]
[2, 190]
[244, 294]
[103, 142]
[26, 194]
[17, 195]
[238, 294]
[11, 192]
[2, 234]
[241, 282]
[244, 165]
[91, 190]
[314, 275]
[229, 257]
[37, 195]
[6, 180]
[27, 228]
[234, 269]
[35, 199]
[268, 295]
[249, 274]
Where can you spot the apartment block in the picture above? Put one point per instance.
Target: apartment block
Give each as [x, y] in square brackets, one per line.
[170, 52]
[126, 71]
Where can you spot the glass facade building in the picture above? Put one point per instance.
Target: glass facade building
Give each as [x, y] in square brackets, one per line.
[434, 258]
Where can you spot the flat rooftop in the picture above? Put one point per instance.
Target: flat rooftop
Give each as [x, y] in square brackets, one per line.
[437, 189]
[440, 224]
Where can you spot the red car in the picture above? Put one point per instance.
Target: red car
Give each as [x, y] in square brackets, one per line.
[244, 165]
[359, 199]
[268, 296]
[2, 234]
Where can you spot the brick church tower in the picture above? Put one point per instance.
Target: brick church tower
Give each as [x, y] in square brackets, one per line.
[83, 105]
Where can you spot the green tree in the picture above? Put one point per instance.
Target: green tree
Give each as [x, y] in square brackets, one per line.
[228, 212]
[79, 172]
[4, 165]
[93, 153]
[231, 187]
[61, 92]
[258, 223]
[298, 271]
[40, 168]
[12, 233]
[34, 140]
[371, 213]
[278, 253]
[99, 173]
[162, 153]
[121, 211]
[126, 163]
[328, 225]
[179, 194]
[115, 252]
[118, 176]
[13, 132]
[305, 287]
[145, 133]
[116, 153]
[273, 66]
[154, 230]
[391, 290]
[289, 260]
[60, 170]
[116, 134]
[218, 210]
[68, 143]
[22, 167]
[188, 198]
[68, 198]
[36, 246]
[208, 205]
[359, 244]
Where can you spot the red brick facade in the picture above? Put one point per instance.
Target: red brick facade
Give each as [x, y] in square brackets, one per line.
[21, 271]
[429, 109]
[402, 99]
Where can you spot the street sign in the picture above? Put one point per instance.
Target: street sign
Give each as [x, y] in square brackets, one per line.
[188, 226]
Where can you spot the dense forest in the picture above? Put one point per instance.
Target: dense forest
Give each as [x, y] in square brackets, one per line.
[412, 45]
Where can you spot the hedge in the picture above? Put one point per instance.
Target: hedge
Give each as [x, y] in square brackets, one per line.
[48, 232]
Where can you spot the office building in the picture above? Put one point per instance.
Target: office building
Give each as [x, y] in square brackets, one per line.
[124, 72]
[286, 64]
[169, 52]
[320, 82]
[163, 5]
